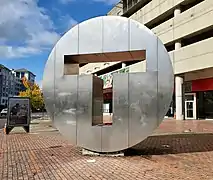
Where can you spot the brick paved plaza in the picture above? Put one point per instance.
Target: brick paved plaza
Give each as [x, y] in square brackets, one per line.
[177, 150]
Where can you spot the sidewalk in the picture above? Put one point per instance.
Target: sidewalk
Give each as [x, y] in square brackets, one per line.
[45, 154]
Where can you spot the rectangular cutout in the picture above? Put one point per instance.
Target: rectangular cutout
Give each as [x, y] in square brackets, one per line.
[122, 56]
[97, 101]
[71, 69]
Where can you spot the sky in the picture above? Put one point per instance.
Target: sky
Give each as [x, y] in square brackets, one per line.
[29, 29]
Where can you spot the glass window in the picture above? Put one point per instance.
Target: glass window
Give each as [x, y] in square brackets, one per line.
[208, 104]
[17, 74]
[22, 74]
[189, 97]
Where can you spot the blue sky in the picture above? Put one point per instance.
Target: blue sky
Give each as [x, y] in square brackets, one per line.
[30, 28]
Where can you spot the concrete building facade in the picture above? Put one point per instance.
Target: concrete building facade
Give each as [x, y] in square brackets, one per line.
[185, 28]
[20, 73]
[11, 84]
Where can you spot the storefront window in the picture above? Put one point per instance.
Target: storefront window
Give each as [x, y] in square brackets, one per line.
[208, 104]
[205, 105]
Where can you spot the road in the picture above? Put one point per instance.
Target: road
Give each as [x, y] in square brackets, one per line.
[3, 119]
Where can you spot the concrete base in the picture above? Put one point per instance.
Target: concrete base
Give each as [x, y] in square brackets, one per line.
[86, 152]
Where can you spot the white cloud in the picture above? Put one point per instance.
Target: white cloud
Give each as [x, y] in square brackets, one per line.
[25, 28]
[64, 22]
[13, 52]
[65, 1]
[45, 39]
[70, 22]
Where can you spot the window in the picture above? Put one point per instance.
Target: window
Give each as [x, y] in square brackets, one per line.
[17, 74]
[22, 74]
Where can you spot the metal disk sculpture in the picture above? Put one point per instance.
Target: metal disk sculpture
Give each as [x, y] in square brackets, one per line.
[140, 99]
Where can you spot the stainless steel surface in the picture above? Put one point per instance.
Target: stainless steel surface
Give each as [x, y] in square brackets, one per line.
[97, 101]
[115, 138]
[66, 106]
[140, 99]
[141, 38]
[142, 105]
[88, 136]
[165, 81]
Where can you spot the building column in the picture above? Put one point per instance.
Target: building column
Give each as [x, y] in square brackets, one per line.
[177, 11]
[179, 97]
[178, 81]
[177, 45]
[123, 65]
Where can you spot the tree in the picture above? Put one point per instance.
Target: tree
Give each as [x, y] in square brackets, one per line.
[34, 93]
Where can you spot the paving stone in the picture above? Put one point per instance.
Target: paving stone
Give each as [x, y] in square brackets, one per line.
[168, 154]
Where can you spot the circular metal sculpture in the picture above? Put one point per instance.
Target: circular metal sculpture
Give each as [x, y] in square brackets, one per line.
[140, 99]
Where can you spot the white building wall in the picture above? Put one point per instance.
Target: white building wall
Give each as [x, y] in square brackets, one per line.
[188, 22]
[26, 75]
[154, 9]
[196, 56]
[193, 57]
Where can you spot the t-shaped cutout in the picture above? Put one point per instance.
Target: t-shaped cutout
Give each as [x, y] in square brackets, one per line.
[73, 62]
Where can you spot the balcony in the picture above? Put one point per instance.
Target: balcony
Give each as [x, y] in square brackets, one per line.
[131, 6]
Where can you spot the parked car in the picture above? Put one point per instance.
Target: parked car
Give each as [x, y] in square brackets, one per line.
[4, 112]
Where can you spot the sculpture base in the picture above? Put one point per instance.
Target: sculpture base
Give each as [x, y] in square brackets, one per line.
[8, 129]
[86, 152]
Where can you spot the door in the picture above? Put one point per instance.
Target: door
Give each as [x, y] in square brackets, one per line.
[190, 106]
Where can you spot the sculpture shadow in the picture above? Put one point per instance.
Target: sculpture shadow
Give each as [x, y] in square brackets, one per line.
[173, 144]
